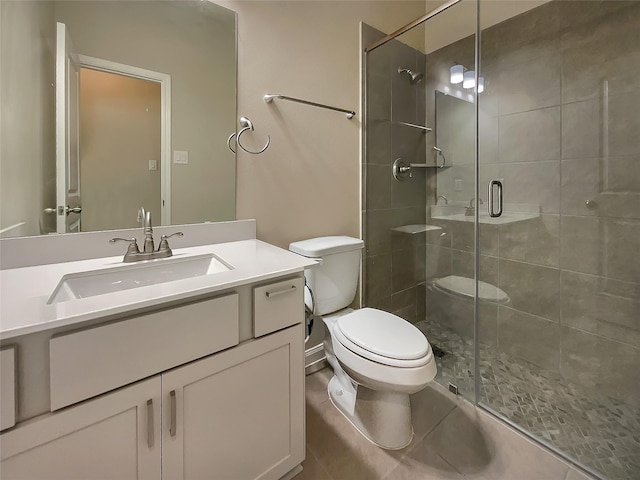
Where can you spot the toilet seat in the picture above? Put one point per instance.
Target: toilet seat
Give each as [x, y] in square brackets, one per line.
[383, 338]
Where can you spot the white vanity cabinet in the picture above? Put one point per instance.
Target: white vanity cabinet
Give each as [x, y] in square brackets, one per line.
[238, 415]
[148, 397]
[111, 437]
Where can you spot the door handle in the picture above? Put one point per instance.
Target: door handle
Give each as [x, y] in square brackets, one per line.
[292, 288]
[150, 432]
[492, 211]
[173, 408]
[64, 210]
[76, 209]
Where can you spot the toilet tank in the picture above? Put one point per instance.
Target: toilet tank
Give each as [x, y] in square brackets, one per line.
[335, 280]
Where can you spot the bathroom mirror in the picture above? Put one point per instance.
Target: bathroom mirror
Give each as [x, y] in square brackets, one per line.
[455, 136]
[455, 123]
[141, 117]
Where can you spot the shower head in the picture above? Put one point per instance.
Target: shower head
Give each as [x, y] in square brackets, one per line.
[415, 77]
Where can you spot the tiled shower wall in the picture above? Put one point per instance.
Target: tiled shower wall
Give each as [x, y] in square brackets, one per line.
[394, 261]
[559, 124]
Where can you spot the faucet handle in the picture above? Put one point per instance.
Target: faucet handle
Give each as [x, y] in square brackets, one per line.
[164, 243]
[133, 244]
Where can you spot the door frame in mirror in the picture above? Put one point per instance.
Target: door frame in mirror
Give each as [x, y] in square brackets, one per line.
[165, 118]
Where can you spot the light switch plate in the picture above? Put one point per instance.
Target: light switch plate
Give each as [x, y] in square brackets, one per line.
[181, 157]
[153, 165]
[458, 185]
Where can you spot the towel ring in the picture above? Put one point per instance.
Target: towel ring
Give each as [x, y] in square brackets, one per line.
[246, 124]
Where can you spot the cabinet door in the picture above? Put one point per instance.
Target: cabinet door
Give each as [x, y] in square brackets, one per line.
[238, 415]
[116, 436]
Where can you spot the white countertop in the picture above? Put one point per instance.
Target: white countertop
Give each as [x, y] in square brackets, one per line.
[24, 291]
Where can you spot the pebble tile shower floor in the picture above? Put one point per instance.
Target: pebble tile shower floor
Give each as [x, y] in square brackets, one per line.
[598, 430]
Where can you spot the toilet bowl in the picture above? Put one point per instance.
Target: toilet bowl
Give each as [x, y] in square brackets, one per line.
[378, 358]
[374, 375]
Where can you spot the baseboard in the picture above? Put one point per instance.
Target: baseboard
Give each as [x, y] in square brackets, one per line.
[314, 359]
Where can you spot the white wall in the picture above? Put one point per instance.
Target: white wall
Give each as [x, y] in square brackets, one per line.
[308, 182]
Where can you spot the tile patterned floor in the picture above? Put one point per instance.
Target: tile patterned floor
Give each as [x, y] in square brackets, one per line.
[599, 431]
[453, 441]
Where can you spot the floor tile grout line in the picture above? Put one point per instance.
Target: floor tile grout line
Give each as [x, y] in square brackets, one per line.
[320, 464]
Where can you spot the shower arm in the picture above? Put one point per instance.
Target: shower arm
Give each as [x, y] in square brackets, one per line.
[269, 97]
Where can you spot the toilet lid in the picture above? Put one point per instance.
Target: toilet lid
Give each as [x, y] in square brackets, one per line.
[383, 334]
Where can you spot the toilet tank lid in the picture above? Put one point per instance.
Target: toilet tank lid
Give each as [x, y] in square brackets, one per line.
[320, 246]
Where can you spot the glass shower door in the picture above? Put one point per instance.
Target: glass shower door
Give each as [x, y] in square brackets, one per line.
[558, 332]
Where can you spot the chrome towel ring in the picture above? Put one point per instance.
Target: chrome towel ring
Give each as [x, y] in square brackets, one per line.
[246, 124]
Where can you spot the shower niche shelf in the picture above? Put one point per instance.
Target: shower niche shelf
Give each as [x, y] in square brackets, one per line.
[414, 125]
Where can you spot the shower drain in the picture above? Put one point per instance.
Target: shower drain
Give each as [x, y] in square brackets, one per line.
[437, 351]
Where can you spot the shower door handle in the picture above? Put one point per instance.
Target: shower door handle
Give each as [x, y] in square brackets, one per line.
[492, 211]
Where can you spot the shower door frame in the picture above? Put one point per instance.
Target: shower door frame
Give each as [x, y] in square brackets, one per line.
[476, 233]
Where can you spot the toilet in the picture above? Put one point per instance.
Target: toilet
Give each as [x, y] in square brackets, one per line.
[378, 358]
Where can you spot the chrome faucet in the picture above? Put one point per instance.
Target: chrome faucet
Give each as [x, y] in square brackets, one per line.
[148, 252]
[471, 209]
[145, 218]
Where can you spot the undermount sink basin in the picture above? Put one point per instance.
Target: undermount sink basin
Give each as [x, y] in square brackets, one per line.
[152, 272]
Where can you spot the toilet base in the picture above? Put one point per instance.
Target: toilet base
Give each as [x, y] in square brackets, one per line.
[383, 418]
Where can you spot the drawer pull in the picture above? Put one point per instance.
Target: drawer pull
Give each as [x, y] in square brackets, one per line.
[292, 288]
[172, 422]
[150, 432]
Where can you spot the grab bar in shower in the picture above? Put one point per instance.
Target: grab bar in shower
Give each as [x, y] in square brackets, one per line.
[269, 97]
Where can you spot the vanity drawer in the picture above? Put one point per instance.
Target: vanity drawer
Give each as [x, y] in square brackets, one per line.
[277, 305]
[7, 387]
[89, 362]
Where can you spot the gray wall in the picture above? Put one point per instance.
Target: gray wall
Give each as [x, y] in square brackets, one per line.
[181, 42]
[558, 139]
[394, 262]
[27, 34]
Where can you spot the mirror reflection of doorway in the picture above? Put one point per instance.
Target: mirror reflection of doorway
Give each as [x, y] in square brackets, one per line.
[120, 149]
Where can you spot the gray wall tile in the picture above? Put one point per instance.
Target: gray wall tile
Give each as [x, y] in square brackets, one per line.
[581, 129]
[600, 363]
[378, 187]
[622, 249]
[531, 338]
[581, 244]
[530, 136]
[601, 306]
[531, 85]
[532, 183]
[623, 122]
[623, 174]
[533, 241]
[378, 281]
[581, 182]
[532, 288]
